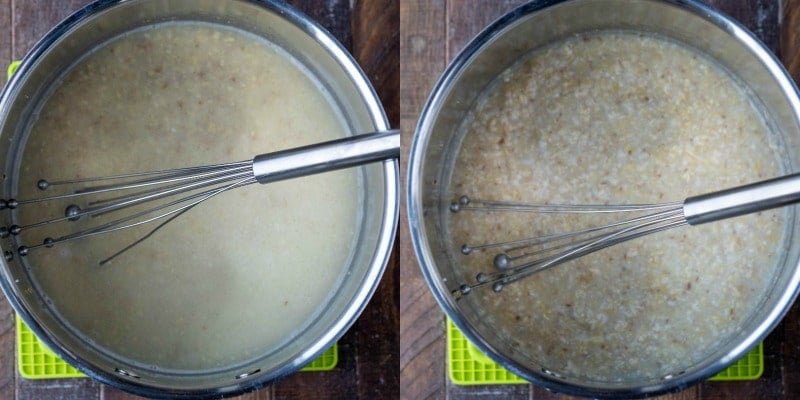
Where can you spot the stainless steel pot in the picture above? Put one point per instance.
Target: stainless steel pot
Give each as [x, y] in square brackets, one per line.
[319, 53]
[495, 49]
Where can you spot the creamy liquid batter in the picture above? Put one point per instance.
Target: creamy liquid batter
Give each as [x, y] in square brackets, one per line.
[236, 276]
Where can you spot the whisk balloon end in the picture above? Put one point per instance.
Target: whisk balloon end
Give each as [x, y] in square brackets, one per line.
[521, 258]
[162, 196]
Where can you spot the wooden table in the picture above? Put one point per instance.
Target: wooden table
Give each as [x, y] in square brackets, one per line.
[368, 353]
[432, 33]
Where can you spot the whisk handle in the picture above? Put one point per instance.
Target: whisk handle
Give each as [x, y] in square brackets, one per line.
[327, 156]
[742, 200]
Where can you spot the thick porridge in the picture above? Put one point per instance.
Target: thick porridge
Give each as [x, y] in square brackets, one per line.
[618, 118]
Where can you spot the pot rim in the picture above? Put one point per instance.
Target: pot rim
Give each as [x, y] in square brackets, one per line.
[419, 235]
[378, 261]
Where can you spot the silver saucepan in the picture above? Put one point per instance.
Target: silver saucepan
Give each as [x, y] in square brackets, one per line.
[344, 82]
[500, 46]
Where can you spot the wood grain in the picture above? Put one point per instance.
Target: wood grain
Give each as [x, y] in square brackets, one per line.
[37, 17]
[790, 345]
[432, 34]
[790, 37]
[369, 352]
[375, 32]
[759, 16]
[6, 313]
[5, 37]
[378, 50]
[422, 42]
[57, 389]
[333, 15]
[467, 17]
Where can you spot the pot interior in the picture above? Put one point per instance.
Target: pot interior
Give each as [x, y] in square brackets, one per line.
[515, 37]
[338, 79]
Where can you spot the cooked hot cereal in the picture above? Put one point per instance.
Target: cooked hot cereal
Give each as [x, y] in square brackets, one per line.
[618, 118]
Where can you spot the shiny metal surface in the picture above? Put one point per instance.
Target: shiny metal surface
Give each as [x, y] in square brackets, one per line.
[499, 46]
[329, 156]
[312, 47]
[518, 259]
[742, 200]
[182, 189]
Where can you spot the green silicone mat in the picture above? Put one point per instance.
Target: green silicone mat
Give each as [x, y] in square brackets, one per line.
[11, 68]
[748, 368]
[468, 366]
[36, 361]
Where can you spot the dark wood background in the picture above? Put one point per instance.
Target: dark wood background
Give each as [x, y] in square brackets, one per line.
[369, 352]
[432, 33]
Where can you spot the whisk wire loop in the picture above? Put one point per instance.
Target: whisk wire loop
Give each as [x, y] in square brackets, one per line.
[116, 225]
[45, 184]
[181, 189]
[100, 207]
[599, 242]
[466, 203]
[163, 177]
[547, 251]
[722, 204]
[538, 240]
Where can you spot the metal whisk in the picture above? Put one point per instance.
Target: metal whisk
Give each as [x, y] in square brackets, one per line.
[179, 190]
[521, 258]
